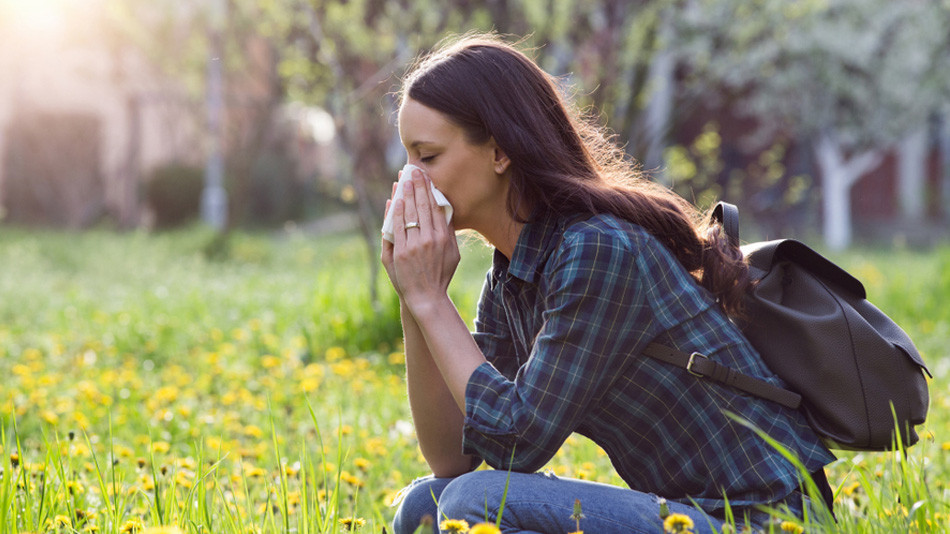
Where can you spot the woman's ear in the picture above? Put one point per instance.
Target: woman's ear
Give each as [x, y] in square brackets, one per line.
[500, 159]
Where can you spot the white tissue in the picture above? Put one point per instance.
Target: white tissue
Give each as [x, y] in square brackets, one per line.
[439, 199]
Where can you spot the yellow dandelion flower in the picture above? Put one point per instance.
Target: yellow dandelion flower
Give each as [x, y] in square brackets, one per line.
[252, 471]
[389, 498]
[166, 394]
[253, 431]
[292, 470]
[132, 526]
[147, 482]
[454, 525]
[352, 480]
[791, 526]
[75, 488]
[945, 446]
[62, 521]
[484, 528]
[81, 419]
[335, 353]
[310, 384]
[850, 489]
[352, 523]
[343, 369]
[185, 478]
[361, 463]
[84, 515]
[678, 523]
[160, 447]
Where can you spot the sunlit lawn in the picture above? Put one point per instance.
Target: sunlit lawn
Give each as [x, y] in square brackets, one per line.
[146, 385]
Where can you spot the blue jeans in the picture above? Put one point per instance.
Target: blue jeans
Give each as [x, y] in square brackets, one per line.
[538, 503]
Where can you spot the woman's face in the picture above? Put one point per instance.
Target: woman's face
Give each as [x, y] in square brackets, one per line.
[470, 176]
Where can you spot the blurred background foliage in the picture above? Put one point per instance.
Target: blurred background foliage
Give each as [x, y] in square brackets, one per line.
[803, 112]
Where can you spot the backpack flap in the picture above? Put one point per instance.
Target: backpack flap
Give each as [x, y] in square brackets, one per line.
[762, 256]
[813, 326]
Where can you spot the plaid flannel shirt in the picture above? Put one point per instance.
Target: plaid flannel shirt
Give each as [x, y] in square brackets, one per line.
[562, 326]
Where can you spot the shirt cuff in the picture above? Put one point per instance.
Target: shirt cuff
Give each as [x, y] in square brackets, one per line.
[489, 429]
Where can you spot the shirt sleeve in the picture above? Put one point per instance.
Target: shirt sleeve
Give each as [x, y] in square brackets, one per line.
[594, 317]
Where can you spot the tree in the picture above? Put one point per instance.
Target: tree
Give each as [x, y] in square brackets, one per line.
[179, 39]
[620, 54]
[346, 57]
[851, 77]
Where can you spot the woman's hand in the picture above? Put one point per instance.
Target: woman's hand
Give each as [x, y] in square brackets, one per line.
[423, 257]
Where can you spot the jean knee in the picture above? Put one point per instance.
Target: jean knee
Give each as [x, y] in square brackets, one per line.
[473, 495]
[417, 502]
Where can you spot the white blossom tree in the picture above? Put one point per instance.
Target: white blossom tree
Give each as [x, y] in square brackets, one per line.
[852, 77]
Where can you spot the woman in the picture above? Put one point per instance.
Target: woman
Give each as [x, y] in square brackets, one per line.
[591, 264]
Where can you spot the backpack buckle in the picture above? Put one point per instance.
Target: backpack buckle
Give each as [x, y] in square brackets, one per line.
[692, 360]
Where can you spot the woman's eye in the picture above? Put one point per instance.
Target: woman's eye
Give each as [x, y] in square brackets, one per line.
[427, 159]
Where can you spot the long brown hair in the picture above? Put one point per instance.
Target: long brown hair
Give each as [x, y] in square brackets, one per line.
[561, 161]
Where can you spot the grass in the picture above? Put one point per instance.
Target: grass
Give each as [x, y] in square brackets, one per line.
[147, 385]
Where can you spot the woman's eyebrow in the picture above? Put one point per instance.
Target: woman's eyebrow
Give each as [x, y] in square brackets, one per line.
[418, 143]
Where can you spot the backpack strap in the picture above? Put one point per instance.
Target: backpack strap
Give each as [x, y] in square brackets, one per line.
[824, 487]
[727, 215]
[703, 367]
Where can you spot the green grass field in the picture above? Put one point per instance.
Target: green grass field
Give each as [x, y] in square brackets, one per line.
[147, 388]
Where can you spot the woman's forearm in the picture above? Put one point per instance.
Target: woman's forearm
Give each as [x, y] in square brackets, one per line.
[450, 344]
[435, 413]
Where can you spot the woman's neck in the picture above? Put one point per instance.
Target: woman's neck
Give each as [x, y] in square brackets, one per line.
[500, 229]
[504, 236]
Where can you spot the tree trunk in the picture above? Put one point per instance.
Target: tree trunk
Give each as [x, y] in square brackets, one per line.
[945, 165]
[838, 174]
[129, 209]
[911, 175]
[660, 87]
[4, 126]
